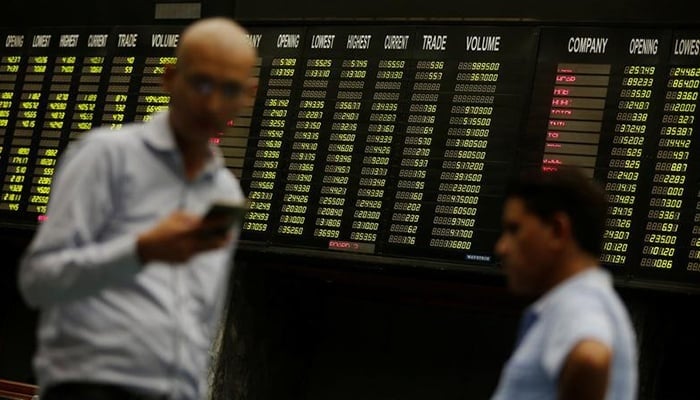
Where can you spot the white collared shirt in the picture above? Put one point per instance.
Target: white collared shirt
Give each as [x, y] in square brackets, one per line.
[105, 317]
[584, 306]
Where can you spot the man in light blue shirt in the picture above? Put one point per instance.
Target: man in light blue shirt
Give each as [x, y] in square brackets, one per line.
[128, 277]
[576, 341]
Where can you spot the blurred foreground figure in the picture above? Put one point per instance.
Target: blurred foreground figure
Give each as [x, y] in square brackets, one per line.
[127, 275]
[576, 341]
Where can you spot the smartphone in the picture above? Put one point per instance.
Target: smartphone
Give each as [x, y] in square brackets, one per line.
[225, 214]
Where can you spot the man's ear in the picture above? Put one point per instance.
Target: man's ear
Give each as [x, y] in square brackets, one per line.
[169, 77]
[561, 226]
[251, 90]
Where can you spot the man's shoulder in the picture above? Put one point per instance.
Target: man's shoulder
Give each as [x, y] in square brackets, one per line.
[589, 305]
[582, 298]
[105, 144]
[592, 287]
[572, 307]
[106, 136]
[228, 183]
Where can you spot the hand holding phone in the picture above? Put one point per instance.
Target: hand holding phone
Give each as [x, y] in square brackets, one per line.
[223, 215]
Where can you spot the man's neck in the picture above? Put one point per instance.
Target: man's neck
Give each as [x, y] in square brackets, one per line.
[572, 263]
[194, 156]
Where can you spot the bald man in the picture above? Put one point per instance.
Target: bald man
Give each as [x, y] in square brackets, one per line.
[126, 274]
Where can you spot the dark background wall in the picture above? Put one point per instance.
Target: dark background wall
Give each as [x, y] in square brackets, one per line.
[306, 329]
[134, 12]
[25, 13]
[595, 11]
[17, 322]
[301, 329]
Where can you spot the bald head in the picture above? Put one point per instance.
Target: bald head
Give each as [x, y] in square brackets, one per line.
[214, 35]
[208, 84]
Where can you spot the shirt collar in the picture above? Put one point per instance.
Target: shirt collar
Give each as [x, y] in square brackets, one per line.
[591, 276]
[160, 137]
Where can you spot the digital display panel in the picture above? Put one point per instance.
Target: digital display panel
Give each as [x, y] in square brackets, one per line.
[622, 105]
[593, 108]
[394, 141]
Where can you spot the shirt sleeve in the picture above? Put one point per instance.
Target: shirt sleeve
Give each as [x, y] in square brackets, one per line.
[67, 259]
[579, 318]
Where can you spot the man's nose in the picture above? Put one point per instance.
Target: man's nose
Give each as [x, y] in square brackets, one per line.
[500, 247]
[214, 102]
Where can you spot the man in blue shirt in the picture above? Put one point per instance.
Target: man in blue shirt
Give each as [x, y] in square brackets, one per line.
[576, 341]
[127, 275]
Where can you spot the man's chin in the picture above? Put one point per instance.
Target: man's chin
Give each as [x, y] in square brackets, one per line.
[205, 132]
[206, 126]
[517, 287]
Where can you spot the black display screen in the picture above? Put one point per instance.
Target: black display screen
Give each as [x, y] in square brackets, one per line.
[395, 141]
[386, 141]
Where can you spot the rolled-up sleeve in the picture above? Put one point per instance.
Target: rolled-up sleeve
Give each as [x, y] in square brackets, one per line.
[578, 318]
